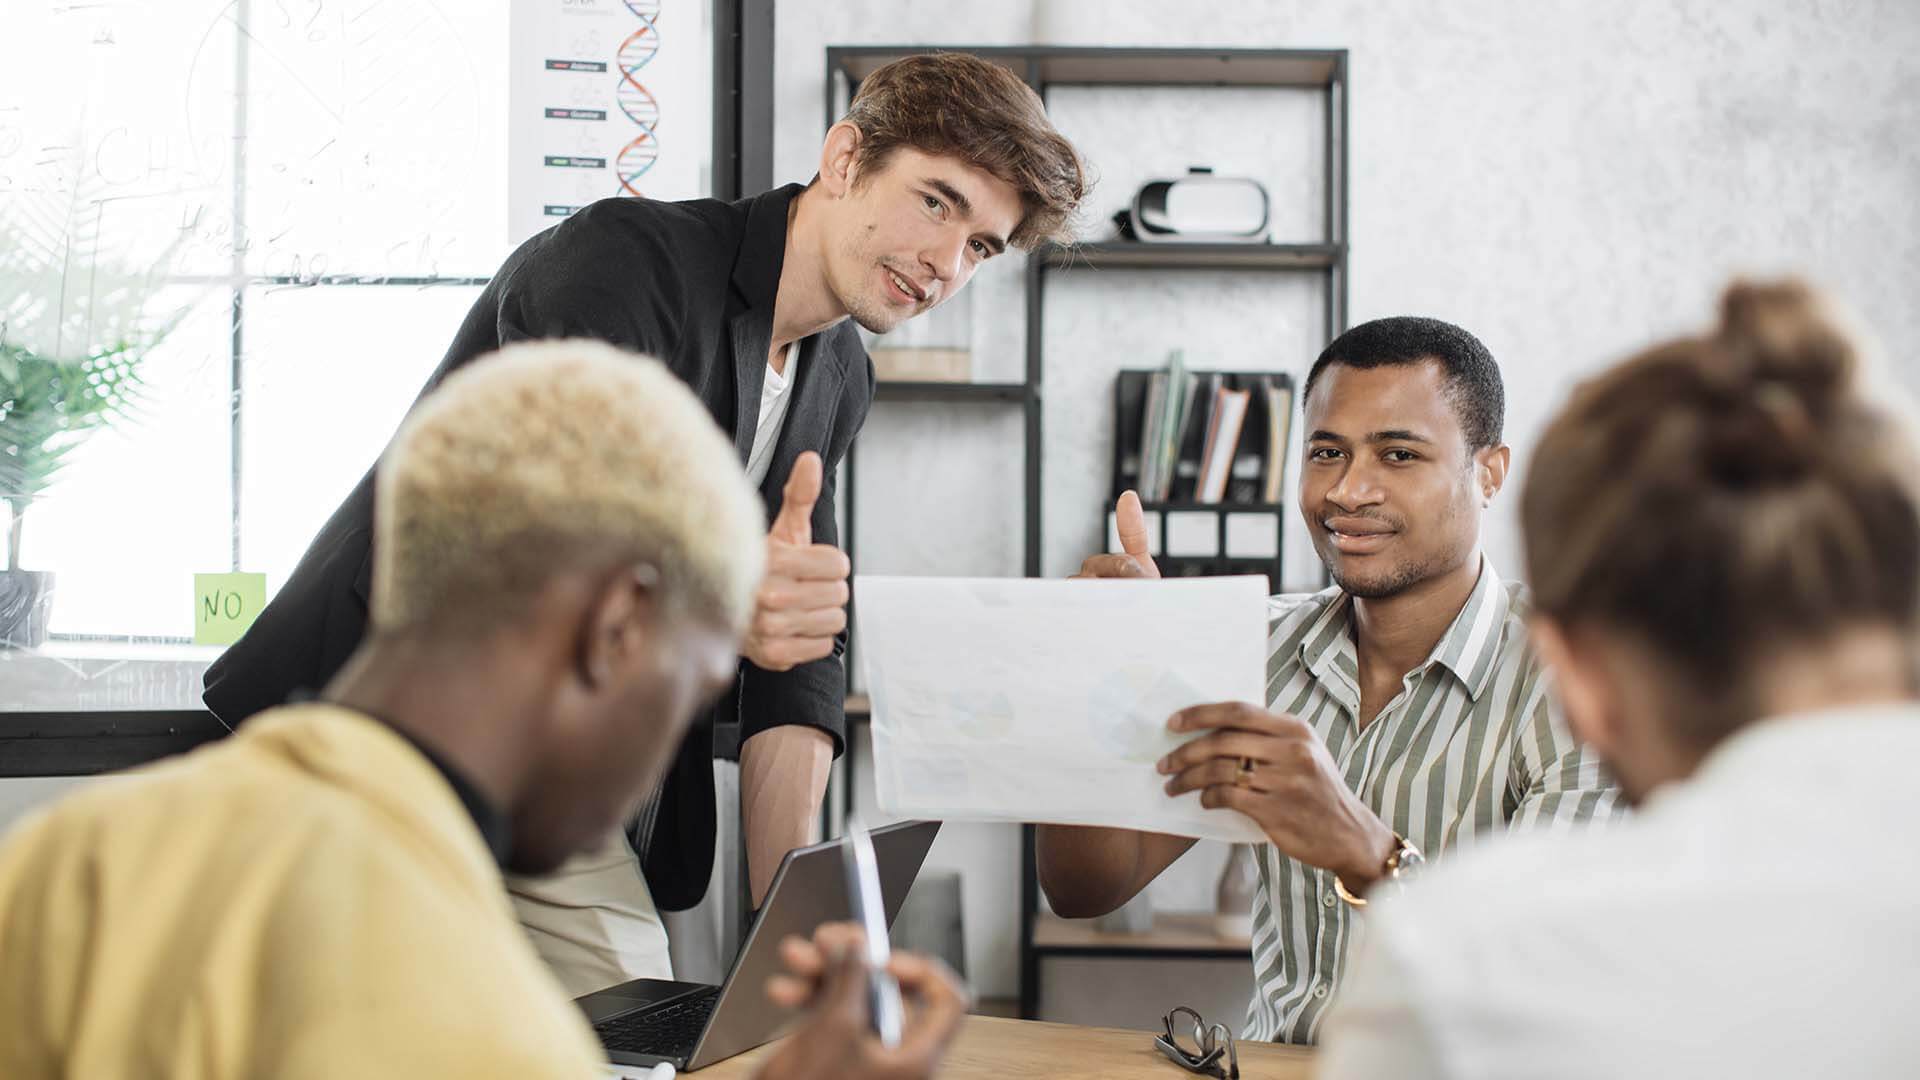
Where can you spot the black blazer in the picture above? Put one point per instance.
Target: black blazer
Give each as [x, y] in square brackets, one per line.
[692, 283]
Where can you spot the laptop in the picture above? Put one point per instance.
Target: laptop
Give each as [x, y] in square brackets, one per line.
[692, 1025]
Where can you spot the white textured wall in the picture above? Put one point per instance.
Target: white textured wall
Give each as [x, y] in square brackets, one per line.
[1562, 178]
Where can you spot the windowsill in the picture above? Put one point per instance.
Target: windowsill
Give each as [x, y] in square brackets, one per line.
[103, 676]
[82, 649]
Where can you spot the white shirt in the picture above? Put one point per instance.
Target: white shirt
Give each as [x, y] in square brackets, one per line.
[1759, 920]
[775, 392]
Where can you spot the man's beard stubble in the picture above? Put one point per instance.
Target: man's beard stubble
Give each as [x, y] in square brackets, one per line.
[1401, 577]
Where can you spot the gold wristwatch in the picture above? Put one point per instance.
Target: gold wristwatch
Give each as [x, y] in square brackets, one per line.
[1403, 864]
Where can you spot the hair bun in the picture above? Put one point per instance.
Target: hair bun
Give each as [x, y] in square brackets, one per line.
[1786, 368]
[1783, 332]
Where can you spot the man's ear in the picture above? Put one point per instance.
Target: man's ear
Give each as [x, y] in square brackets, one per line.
[614, 628]
[839, 158]
[1586, 698]
[1490, 471]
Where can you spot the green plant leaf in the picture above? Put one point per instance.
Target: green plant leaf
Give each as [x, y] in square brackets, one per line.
[76, 324]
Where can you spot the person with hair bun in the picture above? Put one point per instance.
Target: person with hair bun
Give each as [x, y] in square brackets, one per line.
[1723, 538]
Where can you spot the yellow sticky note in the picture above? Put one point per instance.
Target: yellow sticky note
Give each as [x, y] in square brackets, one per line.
[224, 605]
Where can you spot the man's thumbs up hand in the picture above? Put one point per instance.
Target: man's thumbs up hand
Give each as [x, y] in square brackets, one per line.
[803, 599]
[1130, 521]
[795, 523]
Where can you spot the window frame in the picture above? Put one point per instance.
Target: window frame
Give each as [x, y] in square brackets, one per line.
[742, 145]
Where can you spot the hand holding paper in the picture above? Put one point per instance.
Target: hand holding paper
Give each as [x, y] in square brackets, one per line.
[1274, 769]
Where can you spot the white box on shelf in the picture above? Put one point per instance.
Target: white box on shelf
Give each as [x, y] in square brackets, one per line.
[1253, 536]
[1193, 533]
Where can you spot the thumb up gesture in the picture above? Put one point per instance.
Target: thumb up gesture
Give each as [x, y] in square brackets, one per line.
[802, 601]
[1130, 521]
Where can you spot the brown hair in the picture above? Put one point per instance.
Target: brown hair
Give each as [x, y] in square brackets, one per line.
[1721, 498]
[960, 105]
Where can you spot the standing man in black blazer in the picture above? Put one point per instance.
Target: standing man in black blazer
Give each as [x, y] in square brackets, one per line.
[942, 162]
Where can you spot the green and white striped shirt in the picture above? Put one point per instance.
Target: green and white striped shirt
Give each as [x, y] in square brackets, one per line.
[1472, 746]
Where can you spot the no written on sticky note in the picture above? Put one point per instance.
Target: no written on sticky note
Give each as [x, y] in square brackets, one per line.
[224, 605]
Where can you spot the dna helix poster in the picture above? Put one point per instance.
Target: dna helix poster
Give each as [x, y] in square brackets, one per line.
[609, 98]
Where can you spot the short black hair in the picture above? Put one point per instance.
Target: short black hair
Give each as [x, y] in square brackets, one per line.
[1478, 395]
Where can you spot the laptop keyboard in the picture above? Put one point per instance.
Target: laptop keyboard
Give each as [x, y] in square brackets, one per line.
[667, 1032]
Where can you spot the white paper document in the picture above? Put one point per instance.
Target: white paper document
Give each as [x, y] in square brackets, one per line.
[1047, 701]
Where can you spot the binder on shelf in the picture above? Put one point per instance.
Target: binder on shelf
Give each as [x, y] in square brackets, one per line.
[1171, 434]
[1182, 448]
[1150, 423]
[1193, 440]
[1129, 410]
[1276, 399]
[1223, 443]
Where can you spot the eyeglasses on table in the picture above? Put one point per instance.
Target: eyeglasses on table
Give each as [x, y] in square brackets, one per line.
[1205, 1049]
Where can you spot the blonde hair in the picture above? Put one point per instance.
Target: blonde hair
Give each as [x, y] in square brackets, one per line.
[1723, 497]
[558, 455]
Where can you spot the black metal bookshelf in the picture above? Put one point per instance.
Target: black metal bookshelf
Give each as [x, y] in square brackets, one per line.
[1044, 67]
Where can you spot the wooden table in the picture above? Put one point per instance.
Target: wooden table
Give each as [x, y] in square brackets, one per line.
[990, 1047]
[1190, 935]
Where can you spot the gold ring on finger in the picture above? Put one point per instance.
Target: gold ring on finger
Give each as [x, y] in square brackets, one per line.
[1243, 776]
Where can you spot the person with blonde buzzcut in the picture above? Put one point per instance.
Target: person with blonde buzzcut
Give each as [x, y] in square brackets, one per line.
[569, 555]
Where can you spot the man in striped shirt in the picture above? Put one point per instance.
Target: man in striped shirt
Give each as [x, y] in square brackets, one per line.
[1406, 715]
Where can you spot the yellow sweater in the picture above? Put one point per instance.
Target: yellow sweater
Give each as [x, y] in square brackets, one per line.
[307, 898]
